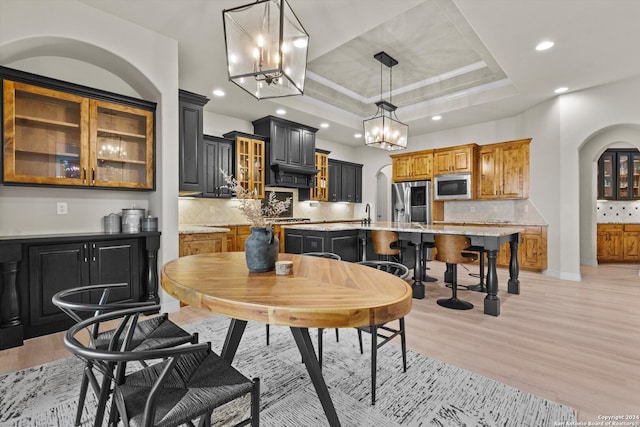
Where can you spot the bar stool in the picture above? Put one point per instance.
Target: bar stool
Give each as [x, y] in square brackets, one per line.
[382, 241]
[451, 251]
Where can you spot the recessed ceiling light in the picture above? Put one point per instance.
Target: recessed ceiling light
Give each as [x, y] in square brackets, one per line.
[561, 90]
[357, 135]
[436, 117]
[324, 125]
[547, 44]
[218, 92]
[281, 111]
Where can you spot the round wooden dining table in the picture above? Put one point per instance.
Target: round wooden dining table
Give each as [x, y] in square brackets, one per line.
[320, 293]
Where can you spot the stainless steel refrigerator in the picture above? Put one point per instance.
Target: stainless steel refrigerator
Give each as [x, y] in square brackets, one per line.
[411, 202]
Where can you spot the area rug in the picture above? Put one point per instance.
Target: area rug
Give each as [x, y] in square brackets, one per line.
[430, 393]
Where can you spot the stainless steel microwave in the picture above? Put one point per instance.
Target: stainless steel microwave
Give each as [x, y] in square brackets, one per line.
[455, 186]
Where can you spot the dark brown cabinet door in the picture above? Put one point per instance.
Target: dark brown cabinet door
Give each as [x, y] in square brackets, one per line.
[619, 175]
[53, 268]
[218, 154]
[190, 141]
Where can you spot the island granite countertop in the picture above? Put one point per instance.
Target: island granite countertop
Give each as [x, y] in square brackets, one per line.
[412, 227]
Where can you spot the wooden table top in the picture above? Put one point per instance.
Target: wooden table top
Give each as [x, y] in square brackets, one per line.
[321, 293]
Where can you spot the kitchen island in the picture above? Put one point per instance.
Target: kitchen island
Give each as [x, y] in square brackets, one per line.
[299, 238]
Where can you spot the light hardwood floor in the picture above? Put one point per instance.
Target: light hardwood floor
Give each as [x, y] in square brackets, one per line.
[577, 343]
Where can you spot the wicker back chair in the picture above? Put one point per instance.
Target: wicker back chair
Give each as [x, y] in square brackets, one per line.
[187, 385]
[152, 333]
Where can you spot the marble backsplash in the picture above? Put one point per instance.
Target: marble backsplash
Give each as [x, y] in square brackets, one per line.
[521, 212]
[224, 211]
[618, 211]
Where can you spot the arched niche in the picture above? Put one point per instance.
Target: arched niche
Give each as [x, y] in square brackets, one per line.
[614, 136]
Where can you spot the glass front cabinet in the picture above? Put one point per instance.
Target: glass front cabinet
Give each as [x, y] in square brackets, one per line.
[619, 175]
[65, 138]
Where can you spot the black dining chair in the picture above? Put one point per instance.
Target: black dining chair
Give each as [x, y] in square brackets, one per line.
[187, 384]
[383, 333]
[329, 255]
[152, 333]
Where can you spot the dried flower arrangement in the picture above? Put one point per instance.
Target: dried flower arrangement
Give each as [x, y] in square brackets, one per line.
[250, 206]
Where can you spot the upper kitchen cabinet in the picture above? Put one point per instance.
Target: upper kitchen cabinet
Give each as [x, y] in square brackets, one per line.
[250, 161]
[415, 166]
[345, 181]
[218, 157]
[192, 165]
[619, 174]
[456, 159]
[503, 170]
[58, 133]
[290, 152]
[320, 189]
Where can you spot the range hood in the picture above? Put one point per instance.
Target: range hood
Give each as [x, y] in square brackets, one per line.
[293, 176]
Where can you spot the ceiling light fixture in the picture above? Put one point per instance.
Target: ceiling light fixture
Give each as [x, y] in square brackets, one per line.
[324, 125]
[218, 92]
[436, 118]
[382, 131]
[281, 111]
[561, 90]
[547, 44]
[266, 48]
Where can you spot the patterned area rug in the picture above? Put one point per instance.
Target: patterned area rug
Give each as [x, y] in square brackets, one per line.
[430, 393]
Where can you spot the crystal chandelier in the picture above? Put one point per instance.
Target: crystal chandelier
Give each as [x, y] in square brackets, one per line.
[383, 131]
[266, 48]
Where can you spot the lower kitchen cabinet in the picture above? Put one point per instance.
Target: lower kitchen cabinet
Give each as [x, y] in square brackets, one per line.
[532, 249]
[345, 243]
[201, 243]
[35, 269]
[618, 243]
[53, 268]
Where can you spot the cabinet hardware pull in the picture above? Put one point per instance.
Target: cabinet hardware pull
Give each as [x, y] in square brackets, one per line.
[93, 176]
[84, 175]
[93, 252]
[84, 254]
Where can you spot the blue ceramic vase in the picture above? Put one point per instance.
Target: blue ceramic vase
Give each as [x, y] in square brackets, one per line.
[261, 249]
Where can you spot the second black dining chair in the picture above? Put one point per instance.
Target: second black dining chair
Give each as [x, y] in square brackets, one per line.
[152, 333]
[383, 333]
[187, 384]
[329, 255]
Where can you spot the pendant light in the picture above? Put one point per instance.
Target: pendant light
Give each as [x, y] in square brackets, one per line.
[266, 48]
[383, 131]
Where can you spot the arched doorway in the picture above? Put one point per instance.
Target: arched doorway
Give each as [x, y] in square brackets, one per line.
[383, 194]
[616, 136]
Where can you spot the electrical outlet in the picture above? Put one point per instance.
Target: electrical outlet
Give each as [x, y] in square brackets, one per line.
[212, 210]
[61, 208]
[473, 208]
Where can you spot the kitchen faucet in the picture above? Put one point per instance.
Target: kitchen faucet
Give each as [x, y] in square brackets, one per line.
[367, 209]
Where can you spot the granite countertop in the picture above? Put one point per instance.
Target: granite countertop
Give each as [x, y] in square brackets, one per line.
[220, 227]
[500, 223]
[413, 227]
[200, 228]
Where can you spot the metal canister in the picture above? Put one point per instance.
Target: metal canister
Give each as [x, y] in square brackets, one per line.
[131, 220]
[112, 223]
[150, 223]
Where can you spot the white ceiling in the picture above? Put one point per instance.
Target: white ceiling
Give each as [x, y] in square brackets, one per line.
[470, 61]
